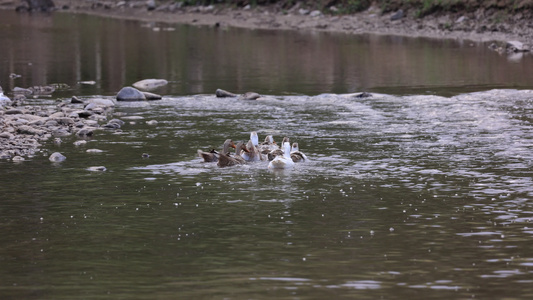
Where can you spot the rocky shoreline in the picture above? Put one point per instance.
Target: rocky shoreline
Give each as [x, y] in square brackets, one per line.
[481, 25]
[24, 128]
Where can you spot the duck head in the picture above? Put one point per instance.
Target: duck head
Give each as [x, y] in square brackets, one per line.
[295, 147]
[227, 144]
[269, 140]
[241, 147]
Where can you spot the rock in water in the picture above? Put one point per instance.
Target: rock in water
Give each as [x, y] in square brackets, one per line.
[152, 96]
[18, 159]
[223, 94]
[75, 100]
[97, 169]
[130, 94]
[57, 157]
[515, 46]
[150, 84]
[101, 102]
[363, 95]
[249, 96]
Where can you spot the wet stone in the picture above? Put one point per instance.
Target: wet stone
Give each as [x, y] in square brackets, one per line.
[51, 123]
[22, 91]
[75, 100]
[219, 93]
[21, 122]
[112, 126]
[6, 135]
[25, 129]
[97, 169]
[249, 96]
[152, 96]
[60, 132]
[150, 84]
[94, 151]
[14, 111]
[84, 132]
[65, 121]
[130, 94]
[80, 143]
[104, 103]
[58, 114]
[90, 106]
[18, 158]
[363, 95]
[99, 110]
[57, 157]
[5, 155]
[84, 113]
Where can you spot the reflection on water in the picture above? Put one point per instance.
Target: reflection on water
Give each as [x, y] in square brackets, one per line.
[72, 48]
[416, 196]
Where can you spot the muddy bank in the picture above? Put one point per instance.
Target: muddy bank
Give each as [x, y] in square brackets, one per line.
[481, 23]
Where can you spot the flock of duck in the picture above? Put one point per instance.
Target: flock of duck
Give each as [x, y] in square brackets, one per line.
[280, 157]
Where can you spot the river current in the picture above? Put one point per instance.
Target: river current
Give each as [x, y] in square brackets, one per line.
[419, 192]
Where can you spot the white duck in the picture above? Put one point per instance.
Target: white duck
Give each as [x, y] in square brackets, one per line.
[282, 161]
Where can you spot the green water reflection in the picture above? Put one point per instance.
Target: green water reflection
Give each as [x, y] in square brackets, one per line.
[72, 48]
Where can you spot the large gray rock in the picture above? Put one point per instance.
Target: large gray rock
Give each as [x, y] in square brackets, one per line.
[130, 94]
[220, 93]
[150, 84]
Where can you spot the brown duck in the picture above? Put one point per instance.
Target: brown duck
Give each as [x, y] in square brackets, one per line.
[213, 155]
[226, 160]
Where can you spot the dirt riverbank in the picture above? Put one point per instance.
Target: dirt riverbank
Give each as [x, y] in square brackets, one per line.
[480, 25]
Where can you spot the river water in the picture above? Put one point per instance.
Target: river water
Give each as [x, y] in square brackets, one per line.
[421, 191]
